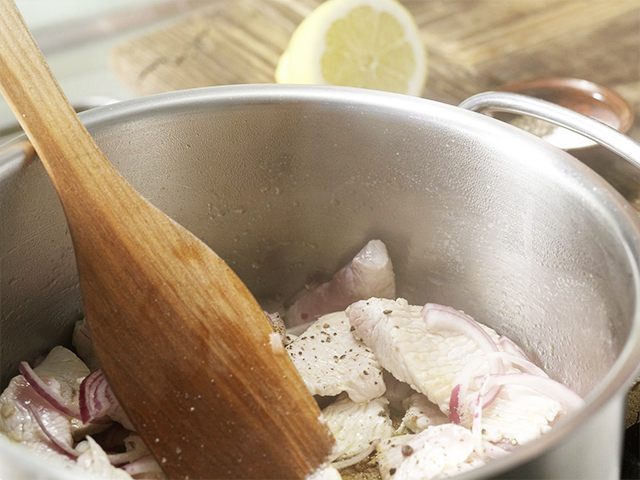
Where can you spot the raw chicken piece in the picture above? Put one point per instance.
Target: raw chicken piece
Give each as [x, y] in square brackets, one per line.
[396, 392]
[135, 450]
[487, 381]
[145, 467]
[438, 451]
[96, 462]
[326, 473]
[17, 421]
[22, 408]
[434, 348]
[331, 361]
[427, 360]
[355, 426]
[369, 274]
[517, 415]
[278, 325]
[67, 369]
[63, 372]
[420, 414]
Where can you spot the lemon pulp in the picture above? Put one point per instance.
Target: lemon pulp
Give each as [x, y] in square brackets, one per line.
[359, 43]
[368, 49]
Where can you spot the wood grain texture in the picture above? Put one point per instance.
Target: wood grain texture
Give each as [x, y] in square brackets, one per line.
[184, 344]
[477, 32]
[232, 42]
[473, 45]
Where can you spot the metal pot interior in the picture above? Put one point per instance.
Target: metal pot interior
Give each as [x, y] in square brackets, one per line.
[286, 184]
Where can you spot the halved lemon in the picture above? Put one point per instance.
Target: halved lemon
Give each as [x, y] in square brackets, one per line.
[357, 43]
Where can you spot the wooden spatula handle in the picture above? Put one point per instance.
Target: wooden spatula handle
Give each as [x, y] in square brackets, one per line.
[183, 343]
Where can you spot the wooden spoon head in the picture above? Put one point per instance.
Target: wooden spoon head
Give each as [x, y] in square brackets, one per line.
[191, 356]
[184, 345]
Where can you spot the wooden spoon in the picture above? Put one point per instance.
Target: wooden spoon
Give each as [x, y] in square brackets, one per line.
[184, 345]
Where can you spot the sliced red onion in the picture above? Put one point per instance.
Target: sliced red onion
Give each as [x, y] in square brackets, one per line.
[462, 381]
[146, 464]
[464, 377]
[555, 390]
[136, 449]
[521, 361]
[476, 427]
[49, 394]
[454, 404]
[61, 444]
[441, 317]
[97, 400]
[490, 396]
[551, 388]
[510, 346]
[494, 451]
[455, 321]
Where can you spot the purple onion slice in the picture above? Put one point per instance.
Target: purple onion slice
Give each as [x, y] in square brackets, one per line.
[47, 392]
[97, 400]
[58, 442]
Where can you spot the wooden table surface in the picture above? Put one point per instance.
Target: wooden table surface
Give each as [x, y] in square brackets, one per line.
[473, 46]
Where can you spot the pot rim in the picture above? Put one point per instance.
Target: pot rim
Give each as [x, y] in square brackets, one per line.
[620, 215]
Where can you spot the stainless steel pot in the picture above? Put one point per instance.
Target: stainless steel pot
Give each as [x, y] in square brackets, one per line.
[284, 182]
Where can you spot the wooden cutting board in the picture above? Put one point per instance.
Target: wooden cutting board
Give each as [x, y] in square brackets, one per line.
[472, 45]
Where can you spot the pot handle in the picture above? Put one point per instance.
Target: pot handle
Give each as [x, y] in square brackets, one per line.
[560, 116]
